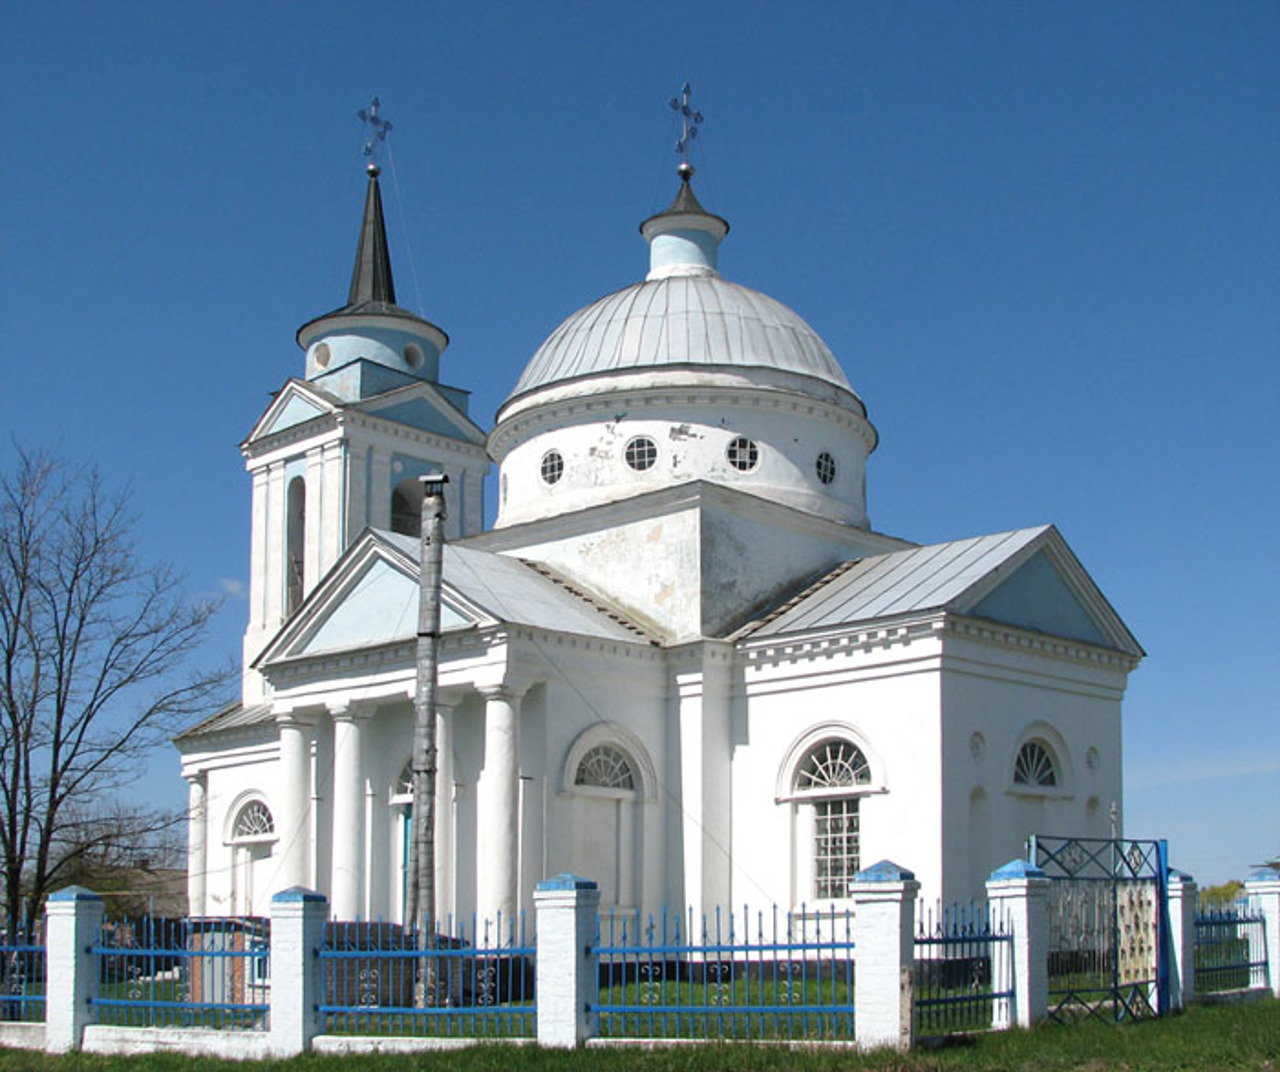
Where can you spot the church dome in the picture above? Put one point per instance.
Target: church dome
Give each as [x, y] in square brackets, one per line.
[680, 320]
[683, 377]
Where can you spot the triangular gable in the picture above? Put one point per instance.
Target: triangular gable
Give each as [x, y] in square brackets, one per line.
[1027, 578]
[421, 406]
[1036, 597]
[1043, 587]
[369, 598]
[295, 404]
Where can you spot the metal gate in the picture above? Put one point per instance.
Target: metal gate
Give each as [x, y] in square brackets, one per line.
[1108, 926]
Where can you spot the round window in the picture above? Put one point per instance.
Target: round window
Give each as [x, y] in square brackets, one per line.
[641, 453]
[321, 355]
[552, 467]
[743, 454]
[825, 467]
[413, 356]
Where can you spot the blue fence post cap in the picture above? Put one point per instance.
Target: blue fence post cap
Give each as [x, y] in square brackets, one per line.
[298, 893]
[885, 871]
[1015, 869]
[74, 893]
[567, 881]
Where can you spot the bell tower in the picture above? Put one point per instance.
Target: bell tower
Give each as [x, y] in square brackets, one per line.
[341, 448]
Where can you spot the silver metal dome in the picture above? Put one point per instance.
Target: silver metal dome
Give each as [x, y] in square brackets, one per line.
[680, 320]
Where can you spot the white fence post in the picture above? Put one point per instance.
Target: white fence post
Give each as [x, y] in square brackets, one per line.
[884, 962]
[1018, 897]
[74, 916]
[1182, 939]
[1263, 891]
[297, 930]
[567, 914]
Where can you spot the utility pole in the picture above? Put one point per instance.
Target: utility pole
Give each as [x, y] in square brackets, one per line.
[420, 910]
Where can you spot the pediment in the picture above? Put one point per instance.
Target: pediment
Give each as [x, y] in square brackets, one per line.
[369, 599]
[422, 407]
[1045, 589]
[295, 404]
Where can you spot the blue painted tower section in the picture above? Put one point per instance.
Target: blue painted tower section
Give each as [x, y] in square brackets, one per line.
[370, 345]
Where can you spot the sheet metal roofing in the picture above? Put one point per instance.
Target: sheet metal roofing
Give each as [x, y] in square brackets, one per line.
[511, 590]
[234, 716]
[680, 320]
[902, 582]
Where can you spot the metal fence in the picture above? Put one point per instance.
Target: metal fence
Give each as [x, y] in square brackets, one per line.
[184, 973]
[782, 975]
[963, 970]
[385, 979]
[1230, 948]
[22, 974]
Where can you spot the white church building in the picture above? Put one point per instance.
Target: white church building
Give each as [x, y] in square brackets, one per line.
[681, 663]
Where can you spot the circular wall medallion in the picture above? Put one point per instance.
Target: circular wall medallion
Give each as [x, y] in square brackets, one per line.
[977, 745]
[321, 355]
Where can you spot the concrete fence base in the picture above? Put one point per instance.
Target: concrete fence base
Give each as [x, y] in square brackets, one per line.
[567, 967]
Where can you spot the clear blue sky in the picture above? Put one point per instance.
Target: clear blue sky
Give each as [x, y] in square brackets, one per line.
[1043, 240]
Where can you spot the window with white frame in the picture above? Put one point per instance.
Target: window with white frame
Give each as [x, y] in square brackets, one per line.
[830, 778]
[605, 767]
[253, 824]
[1034, 766]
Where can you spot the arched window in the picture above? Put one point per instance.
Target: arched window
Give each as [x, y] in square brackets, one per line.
[254, 823]
[295, 543]
[829, 777]
[605, 767]
[406, 508]
[1035, 766]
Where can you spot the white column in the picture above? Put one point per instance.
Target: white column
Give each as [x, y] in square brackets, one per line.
[297, 929]
[445, 861]
[293, 802]
[346, 884]
[73, 916]
[1182, 935]
[497, 818]
[332, 510]
[1017, 895]
[884, 970]
[1263, 890]
[274, 574]
[566, 908]
[197, 841]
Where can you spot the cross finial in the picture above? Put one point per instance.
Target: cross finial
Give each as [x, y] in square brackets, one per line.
[376, 129]
[688, 127]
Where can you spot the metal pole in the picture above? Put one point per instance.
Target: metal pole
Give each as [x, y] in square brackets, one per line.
[420, 910]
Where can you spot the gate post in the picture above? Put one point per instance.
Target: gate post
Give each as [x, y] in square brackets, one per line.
[1182, 939]
[1263, 890]
[567, 967]
[1018, 896]
[74, 916]
[297, 931]
[884, 957]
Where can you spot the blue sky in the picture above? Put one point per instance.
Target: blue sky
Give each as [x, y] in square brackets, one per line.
[1043, 240]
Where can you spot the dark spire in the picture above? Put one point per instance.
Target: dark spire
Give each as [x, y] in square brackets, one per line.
[371, 283]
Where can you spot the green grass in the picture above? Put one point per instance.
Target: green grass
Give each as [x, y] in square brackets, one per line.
[1228, 1037]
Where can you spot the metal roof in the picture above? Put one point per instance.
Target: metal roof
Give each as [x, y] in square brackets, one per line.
[902, 582]
[681, 320]
[518, 592]
[233, 716]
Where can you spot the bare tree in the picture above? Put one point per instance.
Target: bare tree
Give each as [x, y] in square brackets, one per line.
[94, 646]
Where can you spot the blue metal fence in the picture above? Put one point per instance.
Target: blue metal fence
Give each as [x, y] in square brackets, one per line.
[1230, 947]
[184, 973]
[384, 979]
[963, 969]
[782, 975]
[22, 974]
